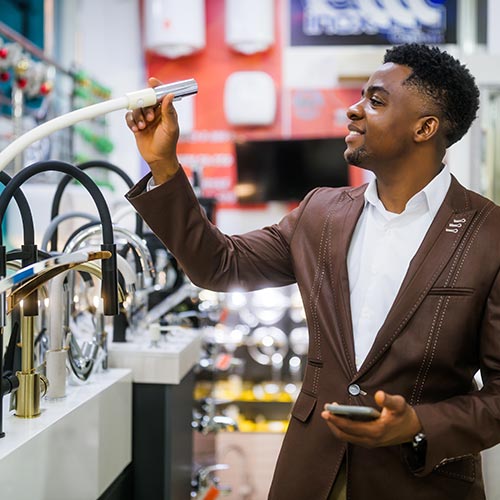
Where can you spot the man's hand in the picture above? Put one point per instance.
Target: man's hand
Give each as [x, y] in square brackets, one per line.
[156, 132]
[397, 424]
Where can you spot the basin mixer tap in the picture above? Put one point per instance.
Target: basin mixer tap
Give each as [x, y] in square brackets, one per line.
[21, 284]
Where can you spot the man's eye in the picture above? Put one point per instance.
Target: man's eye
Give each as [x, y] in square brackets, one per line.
[375, 101]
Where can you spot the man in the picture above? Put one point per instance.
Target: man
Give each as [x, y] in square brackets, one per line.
[399, 280]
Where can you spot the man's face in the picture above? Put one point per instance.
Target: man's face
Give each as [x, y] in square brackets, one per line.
[381, 125]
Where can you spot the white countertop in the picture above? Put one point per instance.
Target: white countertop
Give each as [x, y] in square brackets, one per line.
[167, 363]
[20, 430]
[77, 446]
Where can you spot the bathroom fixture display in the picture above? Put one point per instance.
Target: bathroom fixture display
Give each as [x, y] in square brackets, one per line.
[30, 307]
[82, 361]
[132, 100]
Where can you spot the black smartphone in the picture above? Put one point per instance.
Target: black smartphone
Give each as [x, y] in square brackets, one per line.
[361, 413]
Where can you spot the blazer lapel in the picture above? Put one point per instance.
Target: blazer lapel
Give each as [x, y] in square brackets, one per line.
[346, 217]
[440, 243]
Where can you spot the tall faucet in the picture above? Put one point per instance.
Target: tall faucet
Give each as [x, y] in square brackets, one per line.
[56, 201]
[60, 300]
[28, 256]
[84, 360]
[109, 282]
[145, 274]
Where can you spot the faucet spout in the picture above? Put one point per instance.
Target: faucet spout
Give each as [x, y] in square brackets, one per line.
[109, 283]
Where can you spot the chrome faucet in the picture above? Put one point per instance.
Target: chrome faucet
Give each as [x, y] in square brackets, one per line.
[207, 421]
[205, 479]
[136, 306]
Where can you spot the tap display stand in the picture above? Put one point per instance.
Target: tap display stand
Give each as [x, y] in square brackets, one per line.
[132, 100]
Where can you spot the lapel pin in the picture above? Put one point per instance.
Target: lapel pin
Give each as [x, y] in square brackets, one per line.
[454, 226]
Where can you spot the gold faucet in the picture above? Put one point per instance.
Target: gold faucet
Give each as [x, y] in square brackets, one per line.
[21, 284]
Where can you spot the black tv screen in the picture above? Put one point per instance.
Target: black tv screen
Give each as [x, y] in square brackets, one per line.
[286, 170]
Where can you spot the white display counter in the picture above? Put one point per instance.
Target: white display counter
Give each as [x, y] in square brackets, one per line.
[177, 352]
[76, 448]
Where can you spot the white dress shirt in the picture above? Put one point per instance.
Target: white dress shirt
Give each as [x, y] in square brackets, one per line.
[381, 249]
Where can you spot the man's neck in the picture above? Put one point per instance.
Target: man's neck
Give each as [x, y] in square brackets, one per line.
[395, 191]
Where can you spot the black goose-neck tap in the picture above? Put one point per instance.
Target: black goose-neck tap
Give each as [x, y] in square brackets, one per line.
[139, 224]
[109, 270]
[28, 256]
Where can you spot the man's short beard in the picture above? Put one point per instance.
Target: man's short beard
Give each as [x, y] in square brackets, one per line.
[356, 157]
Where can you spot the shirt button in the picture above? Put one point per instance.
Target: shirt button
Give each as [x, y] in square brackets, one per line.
[354, 390]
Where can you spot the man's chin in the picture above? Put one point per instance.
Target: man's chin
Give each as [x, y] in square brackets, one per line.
[356, 158]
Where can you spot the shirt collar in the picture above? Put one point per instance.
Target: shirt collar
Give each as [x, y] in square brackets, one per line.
[434, 193]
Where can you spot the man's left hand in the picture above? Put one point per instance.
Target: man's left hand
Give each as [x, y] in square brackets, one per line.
[397, 424]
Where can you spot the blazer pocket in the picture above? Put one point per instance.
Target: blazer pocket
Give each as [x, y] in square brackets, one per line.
[304, 406]
[451, 291]
[463, 468]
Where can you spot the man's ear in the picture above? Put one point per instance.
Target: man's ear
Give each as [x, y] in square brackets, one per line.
[426, 127]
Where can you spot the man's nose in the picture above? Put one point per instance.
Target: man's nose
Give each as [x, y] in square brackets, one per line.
[355, 111]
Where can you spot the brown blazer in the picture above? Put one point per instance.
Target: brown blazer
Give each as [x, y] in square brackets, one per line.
[443, 326]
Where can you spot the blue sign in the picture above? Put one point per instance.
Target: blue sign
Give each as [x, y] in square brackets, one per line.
[373, 22]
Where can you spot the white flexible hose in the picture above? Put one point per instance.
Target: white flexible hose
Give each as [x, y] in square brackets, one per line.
[132, 100]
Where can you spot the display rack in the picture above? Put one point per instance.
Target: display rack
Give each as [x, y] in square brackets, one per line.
[33, 89]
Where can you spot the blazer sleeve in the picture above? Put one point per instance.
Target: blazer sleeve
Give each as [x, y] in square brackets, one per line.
[211, 259]
[468, 424]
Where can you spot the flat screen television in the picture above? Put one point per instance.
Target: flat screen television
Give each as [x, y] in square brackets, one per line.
[286, 170]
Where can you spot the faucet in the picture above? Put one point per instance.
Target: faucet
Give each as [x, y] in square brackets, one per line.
[28, 255]
[144, 275]
[54, 223]
[82, 361]
[109, 281]
[205, 484]
[21, 284]
[56, 201]
[207, 421]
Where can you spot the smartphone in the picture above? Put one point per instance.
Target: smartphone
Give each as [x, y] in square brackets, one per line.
[361, 413]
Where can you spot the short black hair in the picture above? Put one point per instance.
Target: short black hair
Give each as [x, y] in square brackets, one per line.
[442, 78]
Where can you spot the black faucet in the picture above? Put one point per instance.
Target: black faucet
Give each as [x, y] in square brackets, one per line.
[120, 322]
[109, 270]
[28, 256]
[139, 224]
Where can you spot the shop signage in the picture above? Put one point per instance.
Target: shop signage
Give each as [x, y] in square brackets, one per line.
[372, 22]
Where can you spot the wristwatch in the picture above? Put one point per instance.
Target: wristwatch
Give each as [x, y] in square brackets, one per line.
[419, 449]
[419, 442]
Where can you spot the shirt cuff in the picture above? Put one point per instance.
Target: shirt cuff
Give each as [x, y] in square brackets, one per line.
[151, 184]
